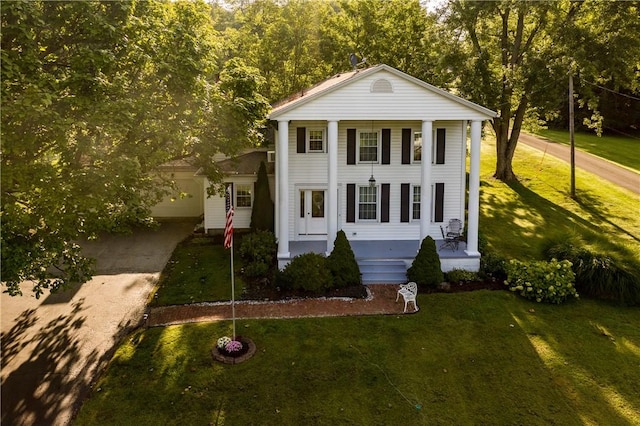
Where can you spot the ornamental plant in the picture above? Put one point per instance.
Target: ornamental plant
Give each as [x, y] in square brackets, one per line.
[549, 282]
[425, 269]
[342, 263]
[233, 346]
[223, 341]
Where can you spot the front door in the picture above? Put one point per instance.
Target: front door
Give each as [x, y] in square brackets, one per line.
[312, 212]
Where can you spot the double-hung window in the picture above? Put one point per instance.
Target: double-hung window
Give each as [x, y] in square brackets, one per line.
[368, 147]
[415, 203]
[316, 141]
[243, 195]
[368, 203]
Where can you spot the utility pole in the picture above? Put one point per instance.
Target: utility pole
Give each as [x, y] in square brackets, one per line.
[571, 138]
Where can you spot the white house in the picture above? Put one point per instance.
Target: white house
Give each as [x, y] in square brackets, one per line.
[382, 156]
[241, 173]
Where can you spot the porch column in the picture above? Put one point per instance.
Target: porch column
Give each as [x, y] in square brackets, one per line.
[425, 179]
[282, 183]
[332, 205]
[474, 190]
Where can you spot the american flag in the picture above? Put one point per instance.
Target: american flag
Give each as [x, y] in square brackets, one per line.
[228, 227]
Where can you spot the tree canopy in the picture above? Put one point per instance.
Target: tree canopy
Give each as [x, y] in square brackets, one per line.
[96, 95]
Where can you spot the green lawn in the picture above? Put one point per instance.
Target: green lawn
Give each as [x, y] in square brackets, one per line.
[621, 150]
[517, 217]
[198, 271]
[467, 358]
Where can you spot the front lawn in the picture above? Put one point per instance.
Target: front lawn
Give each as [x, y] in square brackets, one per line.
[467, 358]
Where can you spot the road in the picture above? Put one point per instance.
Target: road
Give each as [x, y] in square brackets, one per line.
[603, 168]
[53, 348]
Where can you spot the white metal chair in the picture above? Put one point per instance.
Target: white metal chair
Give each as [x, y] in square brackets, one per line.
[408, 292]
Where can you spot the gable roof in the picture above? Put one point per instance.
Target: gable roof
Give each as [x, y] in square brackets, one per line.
[339, 80]
[246, 164]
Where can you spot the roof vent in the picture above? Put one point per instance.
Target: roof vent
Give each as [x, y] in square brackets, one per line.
[381, 85]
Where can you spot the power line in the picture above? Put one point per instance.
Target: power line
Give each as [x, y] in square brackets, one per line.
[612, 91]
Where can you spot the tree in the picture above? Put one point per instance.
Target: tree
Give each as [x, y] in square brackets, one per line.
[425, 269]
[262, 214]
[494, 54]
[96, 95]
[342, 263]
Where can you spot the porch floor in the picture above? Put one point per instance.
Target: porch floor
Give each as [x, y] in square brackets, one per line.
[381, 249]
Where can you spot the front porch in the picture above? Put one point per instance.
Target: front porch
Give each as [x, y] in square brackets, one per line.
[384, 261]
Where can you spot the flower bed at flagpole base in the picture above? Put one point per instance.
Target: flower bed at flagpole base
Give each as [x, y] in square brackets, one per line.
[237, 354]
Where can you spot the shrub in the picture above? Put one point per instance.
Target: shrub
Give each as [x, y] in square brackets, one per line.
[597, 275]
[460, 275]
[258, 251]
[306, 272]
[493, 265]
[551, 282]
[425, 269]
[342, 263]
[262, 214]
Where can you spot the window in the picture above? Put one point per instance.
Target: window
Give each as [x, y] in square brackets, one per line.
[417, 146]
[316, 141]
[369, 147]
[415, 203]
[367, 203]
[243, 195]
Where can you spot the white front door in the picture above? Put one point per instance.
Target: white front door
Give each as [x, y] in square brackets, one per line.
[312, 212]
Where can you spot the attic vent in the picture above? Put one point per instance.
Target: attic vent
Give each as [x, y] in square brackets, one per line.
[381, 86]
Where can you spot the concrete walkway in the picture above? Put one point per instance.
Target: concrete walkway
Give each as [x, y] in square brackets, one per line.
[53, 348]
[596, 165]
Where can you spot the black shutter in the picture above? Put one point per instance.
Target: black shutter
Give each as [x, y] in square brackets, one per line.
[351, 202]
[386, 146]
[384, 195]
[404, 202]
[441, 135]
[439, 201]
[406, 146]
[351, 146]
[301, 140]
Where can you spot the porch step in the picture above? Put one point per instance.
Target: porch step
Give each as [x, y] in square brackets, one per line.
[382, 271]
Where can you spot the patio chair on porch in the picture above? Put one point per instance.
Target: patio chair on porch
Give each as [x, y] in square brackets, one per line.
[452, 235]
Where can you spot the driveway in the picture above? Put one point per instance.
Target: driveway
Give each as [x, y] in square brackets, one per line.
[596, 165]
[53, 348]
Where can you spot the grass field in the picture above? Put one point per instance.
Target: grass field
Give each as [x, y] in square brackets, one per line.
[621, 150]
[517, 217]
[467, 358]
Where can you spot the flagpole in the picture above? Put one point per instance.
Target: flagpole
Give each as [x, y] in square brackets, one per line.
[233, 293]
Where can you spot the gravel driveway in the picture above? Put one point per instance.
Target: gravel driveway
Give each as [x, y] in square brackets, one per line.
[52, 348]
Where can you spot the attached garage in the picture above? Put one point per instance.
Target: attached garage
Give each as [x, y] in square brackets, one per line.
[187, 200]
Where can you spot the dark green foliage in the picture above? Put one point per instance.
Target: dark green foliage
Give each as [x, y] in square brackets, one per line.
[258, 252]
[307, 272]
[342, 263]
[493, 265]
[425, 269]
[597, 275]
[262, 214]
[460, 275]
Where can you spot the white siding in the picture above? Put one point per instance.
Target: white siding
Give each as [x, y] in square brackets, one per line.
[408, 101]
[310, 170]
[214, 206]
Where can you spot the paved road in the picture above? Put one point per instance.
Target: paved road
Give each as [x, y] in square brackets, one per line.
[605, 169]
[52, 348]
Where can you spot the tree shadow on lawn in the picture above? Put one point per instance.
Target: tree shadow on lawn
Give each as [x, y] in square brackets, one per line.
[590, 364]
[528, 220]
[38, 389]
